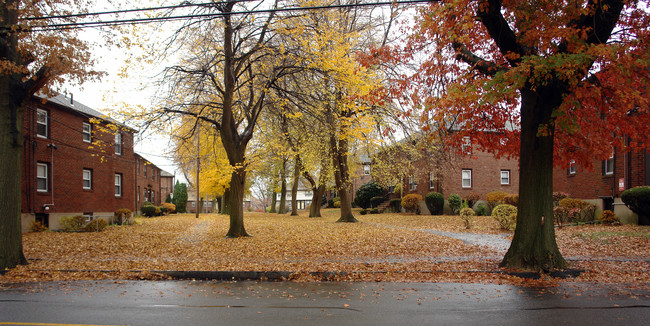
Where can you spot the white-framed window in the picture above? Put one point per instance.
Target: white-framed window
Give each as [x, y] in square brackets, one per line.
[505, 177]
[413, 184]
[153, 196]
[138, 194]
[87, 132]
[608, 165]
[467, 145]
[366, 169]
[145, 169]
[146, 198]
[118, 143]
[42, 123]
[572, 167]
[193, 204]
[466, 178]
[87, 179]
[432, 180]
[118, 185]
[42, 179]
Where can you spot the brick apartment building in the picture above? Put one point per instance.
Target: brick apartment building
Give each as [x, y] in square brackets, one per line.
[476, 172]
[72, 165]
[152, 183]
[604, 184]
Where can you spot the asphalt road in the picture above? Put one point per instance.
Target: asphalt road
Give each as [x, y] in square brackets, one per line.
[330, 303]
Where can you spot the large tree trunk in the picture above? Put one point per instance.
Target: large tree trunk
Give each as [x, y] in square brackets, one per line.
[294, 188]
[316, 201]
[534, 246]
[225, 202]
[236, 208]
[274, 202]
[341, 177]
[11, 147]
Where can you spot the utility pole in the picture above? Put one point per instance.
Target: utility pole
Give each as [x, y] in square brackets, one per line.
[199, 205]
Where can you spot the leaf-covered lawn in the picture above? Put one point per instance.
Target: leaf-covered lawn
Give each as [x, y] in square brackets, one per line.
[384, 247]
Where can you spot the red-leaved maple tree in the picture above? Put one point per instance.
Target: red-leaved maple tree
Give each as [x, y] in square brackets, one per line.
[547, 81]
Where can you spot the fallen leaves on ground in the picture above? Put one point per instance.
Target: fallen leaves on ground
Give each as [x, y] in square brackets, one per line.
[384, 247]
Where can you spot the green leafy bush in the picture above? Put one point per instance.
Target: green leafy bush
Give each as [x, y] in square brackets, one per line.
[96, 225]
[366, 192]
[337, 204]
[122, 216]
[467, 214]
[637, 199]
[455, 202]
[609, 217]
[72, 223]
[506, 215]
[376, 201]
[435, 202]
[411, 203]
[374, 211]
[511, 200]
[180, 197]
[586, 211]
[363, 211]
[395, 205]
[481, 209]
[150, 210]
[331, 201]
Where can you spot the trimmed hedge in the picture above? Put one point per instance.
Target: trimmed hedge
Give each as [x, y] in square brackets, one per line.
[637, 199]
[506, 215]
[395, 205]
[435, 203]
[366, 192]
[411, 203]
[455, 203]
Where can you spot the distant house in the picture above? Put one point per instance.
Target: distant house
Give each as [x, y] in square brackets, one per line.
[303, 198]
[73, 165]
[475, 172]
[210, 205]
[152, 183]
[604, 184]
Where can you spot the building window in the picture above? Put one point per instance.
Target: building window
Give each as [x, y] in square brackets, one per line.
[153, 174]
[572, 167]
[432, 180]
[467, 178]
[138, 194]
[87, 179]
[118, 143]
[467, 145]
[42, 180]
[42, 123]
[193, 204]
[146, 198]
[87, 132]
[118, 185]
[608, 165]
[412, 183]
[153, 196]
[145, 169]
[505, 177]
[366, 169]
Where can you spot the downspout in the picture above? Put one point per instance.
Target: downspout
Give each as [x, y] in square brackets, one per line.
[52, 147]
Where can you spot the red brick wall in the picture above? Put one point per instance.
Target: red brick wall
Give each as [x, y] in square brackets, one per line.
[166, 187]
[147, 178]
[66, 164]
[585, 184]
[486, 176]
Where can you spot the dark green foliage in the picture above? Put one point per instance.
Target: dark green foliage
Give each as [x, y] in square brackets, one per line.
[180, 197]
[376, 201]
[395, 205]
[435, 202]
[168, 199]
[481, 210]
[637, 199]
[374, 211]
[331, 203]
[363, 211]
[366, 192]
[455, 203]
[150, 210]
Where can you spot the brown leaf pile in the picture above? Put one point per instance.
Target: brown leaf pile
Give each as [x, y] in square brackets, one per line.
[385, 247]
